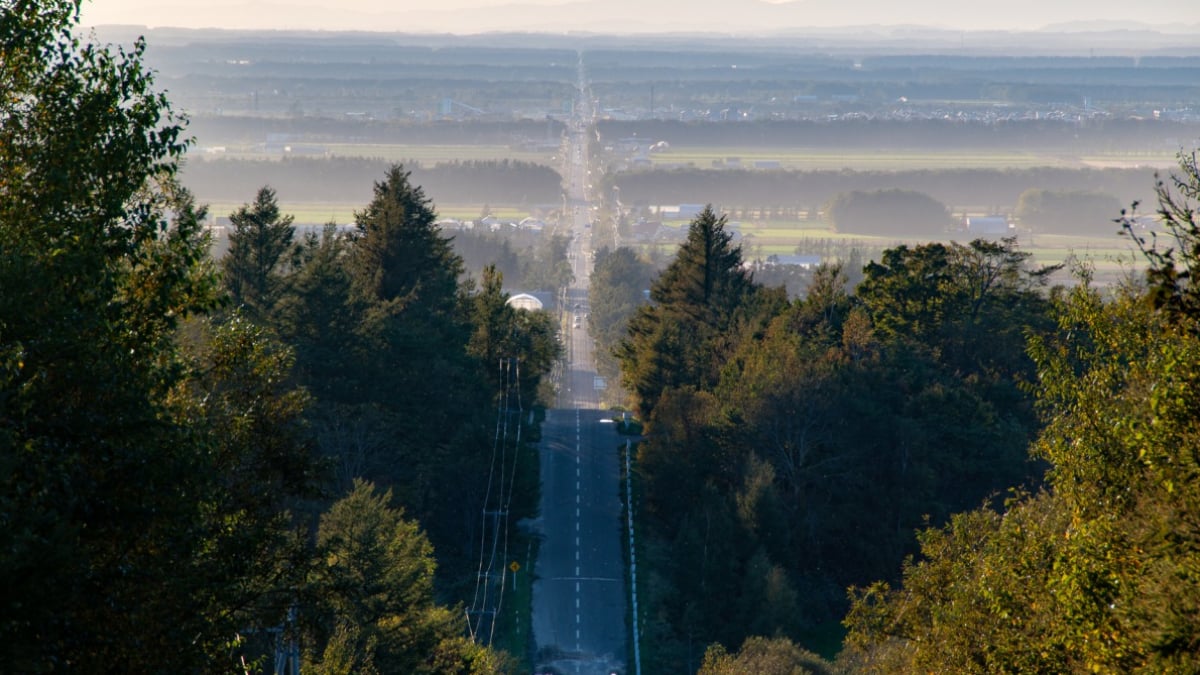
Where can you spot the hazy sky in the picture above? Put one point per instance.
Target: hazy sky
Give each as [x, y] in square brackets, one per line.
[469, 16]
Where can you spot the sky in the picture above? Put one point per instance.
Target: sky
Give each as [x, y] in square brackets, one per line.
[474, 16]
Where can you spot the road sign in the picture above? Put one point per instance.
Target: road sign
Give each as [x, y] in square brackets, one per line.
[514, 566]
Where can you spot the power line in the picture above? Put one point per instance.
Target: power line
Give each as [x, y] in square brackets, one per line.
[512, 484]
[478, 602]
[497, 516]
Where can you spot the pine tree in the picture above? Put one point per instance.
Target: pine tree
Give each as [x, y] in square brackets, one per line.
[260, 240]
[677, 340]
[400, 255]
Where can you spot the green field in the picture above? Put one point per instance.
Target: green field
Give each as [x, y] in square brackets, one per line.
[305, 213]
[432, 154]
[1111, 256]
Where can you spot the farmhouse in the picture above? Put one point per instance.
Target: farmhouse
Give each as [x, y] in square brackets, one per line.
[987, 226]
[803, 261]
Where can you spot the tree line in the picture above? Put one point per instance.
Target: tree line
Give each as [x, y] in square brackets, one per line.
[204, 459]
[997, 190]
[334, 179]
[904, 135]
[793, 447]
[1026, 452]
[236, 129]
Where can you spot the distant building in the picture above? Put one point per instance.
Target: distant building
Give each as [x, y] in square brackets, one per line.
[531, 224]
[644, 230]
[525, 301]
[453, 224]
[987, 226]
[803, 261]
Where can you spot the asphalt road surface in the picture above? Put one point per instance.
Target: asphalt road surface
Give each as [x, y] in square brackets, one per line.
[579, 594]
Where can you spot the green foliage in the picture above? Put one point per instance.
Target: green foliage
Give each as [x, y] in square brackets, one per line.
[1099, 573]
[970, 304]
[397, 244]
[549, 268]
[615, 289]
[1072, 212]
[374, 588]
[260, 240]
[113, 495]
[1173, 268]
[402, 353]
[762, 656]
[837, 425]
[502, 332]
[318, 314]
[151, 456]
[892, 213]
[676, 340]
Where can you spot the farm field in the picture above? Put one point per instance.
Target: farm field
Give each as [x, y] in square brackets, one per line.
[432, 154]
[314, 213]
[1110, 256]
[811, 159]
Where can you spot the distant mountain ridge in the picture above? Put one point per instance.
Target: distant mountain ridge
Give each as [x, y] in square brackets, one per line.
[737, 17]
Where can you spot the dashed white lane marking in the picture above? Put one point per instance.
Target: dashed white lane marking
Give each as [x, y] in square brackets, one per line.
[577, 570]
[576, 586]
[577, 602]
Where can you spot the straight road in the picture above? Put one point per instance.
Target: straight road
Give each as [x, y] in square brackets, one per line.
[579, 594]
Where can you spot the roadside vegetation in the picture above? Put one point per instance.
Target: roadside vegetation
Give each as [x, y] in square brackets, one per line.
[942, 412]
[204, 461]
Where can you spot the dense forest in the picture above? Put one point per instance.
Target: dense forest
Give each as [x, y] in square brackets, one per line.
[204, 460]
[1028, 452]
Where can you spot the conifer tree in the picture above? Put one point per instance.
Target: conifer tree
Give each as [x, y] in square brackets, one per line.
[676, 340]
[132, 477]
[260, 240]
